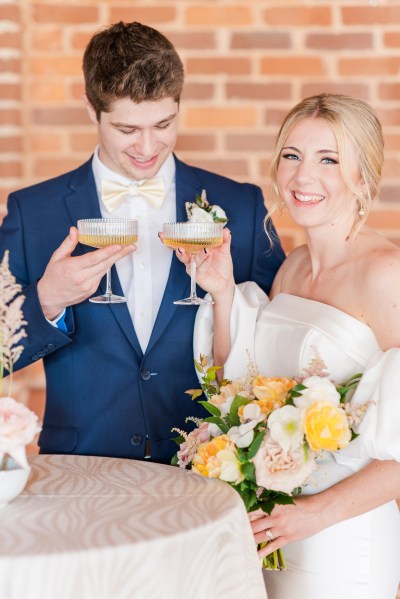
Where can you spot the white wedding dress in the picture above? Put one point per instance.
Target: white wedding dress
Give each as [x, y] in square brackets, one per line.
[360, 557]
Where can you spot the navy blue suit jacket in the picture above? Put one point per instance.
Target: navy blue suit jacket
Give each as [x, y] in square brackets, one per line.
[103, 396]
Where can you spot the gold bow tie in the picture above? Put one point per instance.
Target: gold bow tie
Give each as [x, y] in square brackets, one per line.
[114, 193]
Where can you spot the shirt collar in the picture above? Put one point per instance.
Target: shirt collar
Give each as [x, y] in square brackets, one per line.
[101, 171]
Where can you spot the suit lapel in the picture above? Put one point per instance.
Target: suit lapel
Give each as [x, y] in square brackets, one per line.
[82, 202]
[178, 285]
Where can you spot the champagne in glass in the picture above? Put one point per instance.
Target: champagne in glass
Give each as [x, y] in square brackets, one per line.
[192, 237]
[100, 232]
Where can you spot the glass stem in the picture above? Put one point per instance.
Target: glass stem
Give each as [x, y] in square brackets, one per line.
[193, 276]
[108, 283]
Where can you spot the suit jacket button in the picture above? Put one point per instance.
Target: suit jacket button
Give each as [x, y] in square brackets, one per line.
[145, 375]
[136, 440]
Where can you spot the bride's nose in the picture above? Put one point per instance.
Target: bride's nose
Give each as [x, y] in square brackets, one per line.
[305, 171]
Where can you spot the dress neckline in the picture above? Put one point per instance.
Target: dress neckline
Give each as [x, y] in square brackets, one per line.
[314, 313]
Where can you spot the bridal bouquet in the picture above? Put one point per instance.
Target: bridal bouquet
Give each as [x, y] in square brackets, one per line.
[264, 435]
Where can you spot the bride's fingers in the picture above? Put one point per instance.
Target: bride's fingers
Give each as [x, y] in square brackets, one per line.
[260, 524]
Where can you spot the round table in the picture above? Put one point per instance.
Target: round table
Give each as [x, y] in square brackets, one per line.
[108, 528]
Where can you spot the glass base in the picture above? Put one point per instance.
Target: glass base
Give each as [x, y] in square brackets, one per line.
[193, 301]
[108, 299]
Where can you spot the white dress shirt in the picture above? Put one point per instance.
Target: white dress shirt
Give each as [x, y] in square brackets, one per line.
[143, 274]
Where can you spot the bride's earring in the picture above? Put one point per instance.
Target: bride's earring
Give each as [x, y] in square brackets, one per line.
[361, 212]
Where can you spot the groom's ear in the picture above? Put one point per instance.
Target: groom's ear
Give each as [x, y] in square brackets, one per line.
[90, 109]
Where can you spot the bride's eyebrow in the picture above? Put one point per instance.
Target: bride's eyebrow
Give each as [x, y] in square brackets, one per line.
[327, 151]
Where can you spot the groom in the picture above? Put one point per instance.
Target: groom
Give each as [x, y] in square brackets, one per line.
[116, 374]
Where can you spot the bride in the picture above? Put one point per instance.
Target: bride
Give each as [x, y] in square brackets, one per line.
[336, 299]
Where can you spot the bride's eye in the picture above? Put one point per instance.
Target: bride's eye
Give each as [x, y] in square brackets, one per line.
[290, 156]
[328, 160]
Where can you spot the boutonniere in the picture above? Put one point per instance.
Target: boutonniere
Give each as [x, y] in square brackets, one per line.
[201, 211]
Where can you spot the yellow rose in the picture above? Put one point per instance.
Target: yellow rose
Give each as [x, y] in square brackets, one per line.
[271, 392]
[326, 426]
[218, 459]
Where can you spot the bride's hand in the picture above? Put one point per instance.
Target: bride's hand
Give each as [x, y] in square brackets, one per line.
[287, 523]
[214, 271]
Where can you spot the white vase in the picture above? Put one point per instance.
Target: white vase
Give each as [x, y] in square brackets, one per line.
[12, 481]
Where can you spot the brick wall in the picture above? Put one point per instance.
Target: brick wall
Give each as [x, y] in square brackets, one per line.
[247, 62]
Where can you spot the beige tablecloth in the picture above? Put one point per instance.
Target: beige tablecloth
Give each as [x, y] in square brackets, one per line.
[105, 528]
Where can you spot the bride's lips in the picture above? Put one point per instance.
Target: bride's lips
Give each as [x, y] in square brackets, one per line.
[307, 199]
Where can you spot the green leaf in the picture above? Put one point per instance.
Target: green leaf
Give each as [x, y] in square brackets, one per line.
[198, 366]
[174, 460]
[220, 423]
[233, 412]
[255, 445]
[249, 471]
[195, 393]
[210, 408]
[178, 440]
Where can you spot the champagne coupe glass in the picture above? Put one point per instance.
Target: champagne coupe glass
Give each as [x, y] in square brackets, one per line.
[192, 237]
[100, 232]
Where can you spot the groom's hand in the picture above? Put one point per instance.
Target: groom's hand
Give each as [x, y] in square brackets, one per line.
[69, 280]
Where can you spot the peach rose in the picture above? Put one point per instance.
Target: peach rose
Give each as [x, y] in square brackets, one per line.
[280, 470]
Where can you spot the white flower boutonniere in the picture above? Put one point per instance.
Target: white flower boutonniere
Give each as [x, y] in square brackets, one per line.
[201, 211]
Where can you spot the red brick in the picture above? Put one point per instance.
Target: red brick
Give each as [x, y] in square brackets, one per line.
[10, 39]
[55, 66]
[275, 117]
[218, 16]
[10, 12]
[44, 142]
[191, 142]
[389, 117]
[83, 142]
[370, 15]
[391, 194]
[11, 91]
[260, 39]
[391, 167]
[250, 143]
[298, 16]
[391, 39]
[229, 168]
[212, 66]
[10, 169]
[151, 15]
[50, 13]
[10, 65]
[10, 144]
[359, 90]
[369, 66]
[193, 40]
[47, 39]
[259, 91]
[51, 168]
[293, 65]
[198, 91]
[77, 90]
[385, 219]
[389, 91]
[392, 142]
[60, 116]
[222, 117]
[10, 117]
[340, 41]
[80, 39]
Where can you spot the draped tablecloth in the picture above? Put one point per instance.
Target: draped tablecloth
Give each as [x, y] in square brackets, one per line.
[106, 528]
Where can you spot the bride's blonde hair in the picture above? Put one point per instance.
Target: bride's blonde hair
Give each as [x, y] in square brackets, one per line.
[351, 120]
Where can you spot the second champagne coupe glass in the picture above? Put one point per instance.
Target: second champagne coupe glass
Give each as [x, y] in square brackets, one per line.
[100, 232]
[192, 237]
